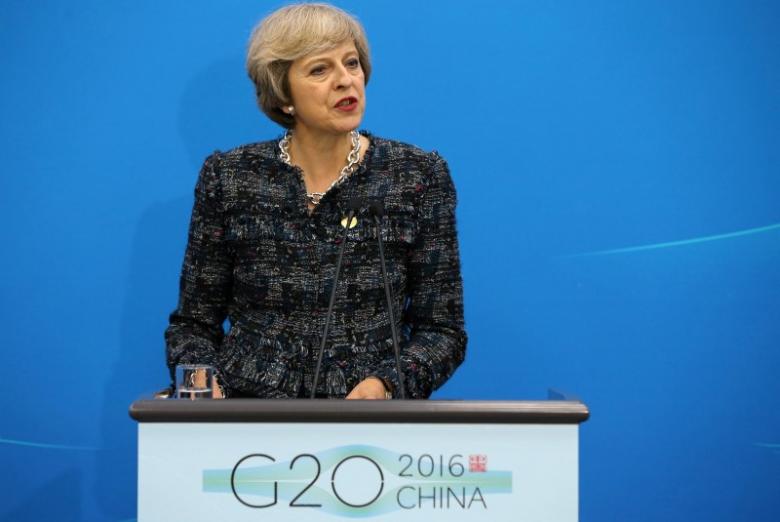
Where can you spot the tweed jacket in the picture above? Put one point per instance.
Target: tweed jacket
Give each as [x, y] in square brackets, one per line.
[259, 258]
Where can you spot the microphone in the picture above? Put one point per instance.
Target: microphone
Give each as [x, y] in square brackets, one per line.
[354, 206]
[377, 210]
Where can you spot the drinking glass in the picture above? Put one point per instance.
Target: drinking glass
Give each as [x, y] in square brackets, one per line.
[194, 381]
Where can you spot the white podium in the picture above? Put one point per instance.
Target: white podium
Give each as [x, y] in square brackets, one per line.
[328, 460]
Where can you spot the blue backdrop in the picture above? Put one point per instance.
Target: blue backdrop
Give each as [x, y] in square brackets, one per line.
[619, 214]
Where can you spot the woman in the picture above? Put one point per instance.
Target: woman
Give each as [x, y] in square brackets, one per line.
[269, 221]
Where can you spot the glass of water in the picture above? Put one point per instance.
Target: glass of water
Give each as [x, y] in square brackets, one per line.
[194, 381]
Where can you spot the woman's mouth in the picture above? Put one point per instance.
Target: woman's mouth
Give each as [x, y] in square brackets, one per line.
[347, 104]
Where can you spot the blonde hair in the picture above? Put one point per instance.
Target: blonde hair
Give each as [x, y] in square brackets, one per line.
[290, 33]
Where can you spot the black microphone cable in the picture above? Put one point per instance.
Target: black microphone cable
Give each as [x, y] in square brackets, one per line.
[354, 206]
[377, 212]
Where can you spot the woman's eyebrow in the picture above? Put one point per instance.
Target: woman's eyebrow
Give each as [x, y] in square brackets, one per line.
[325, 58]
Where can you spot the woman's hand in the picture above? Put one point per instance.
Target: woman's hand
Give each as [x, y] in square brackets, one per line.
[217, 389]
[199, 380]
[370, 388]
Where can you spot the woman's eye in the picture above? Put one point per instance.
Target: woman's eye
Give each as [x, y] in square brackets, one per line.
[353, 63]
[318, 70]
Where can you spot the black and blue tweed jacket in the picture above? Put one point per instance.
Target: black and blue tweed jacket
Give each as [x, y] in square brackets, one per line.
[259, 258]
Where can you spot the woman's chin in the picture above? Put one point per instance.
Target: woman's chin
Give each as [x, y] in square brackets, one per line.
[339, 125]
[349, 122]
[347, 127]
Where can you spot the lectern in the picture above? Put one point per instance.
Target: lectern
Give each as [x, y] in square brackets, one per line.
[328, 460]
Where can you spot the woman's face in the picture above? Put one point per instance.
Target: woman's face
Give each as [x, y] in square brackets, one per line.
[328, 90]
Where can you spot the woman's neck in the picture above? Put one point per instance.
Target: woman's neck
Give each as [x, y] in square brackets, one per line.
[321, 156]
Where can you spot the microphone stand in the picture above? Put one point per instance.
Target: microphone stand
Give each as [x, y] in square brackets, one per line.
[378, 211]
[354, 206]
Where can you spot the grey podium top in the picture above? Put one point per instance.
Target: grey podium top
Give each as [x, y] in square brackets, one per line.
[360, 411]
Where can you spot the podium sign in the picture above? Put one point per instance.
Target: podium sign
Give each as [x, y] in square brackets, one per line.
[248, 460]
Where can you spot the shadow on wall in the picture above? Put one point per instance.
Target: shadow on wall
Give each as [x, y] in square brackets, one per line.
[217, 111]
[156, 256]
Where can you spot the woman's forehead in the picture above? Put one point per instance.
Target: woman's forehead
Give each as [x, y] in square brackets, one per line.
[338, 51]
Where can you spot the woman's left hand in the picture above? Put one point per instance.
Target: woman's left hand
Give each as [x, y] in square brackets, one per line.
[370, 388]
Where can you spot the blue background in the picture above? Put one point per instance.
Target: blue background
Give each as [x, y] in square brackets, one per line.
[619, 214]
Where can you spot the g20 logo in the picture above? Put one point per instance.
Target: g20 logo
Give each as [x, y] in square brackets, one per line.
[297, 501]
[447, 486]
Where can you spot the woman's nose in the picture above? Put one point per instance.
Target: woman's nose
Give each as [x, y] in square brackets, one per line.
[343, 77]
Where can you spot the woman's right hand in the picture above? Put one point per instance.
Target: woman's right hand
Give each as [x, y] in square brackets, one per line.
[217, 389]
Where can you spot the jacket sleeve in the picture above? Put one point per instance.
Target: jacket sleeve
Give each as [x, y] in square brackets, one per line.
[195, 330]
[437, 344]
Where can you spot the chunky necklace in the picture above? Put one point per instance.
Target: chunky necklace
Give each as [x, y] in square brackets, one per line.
[352, 159]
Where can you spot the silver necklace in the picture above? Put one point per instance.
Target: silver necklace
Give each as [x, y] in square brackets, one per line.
[352, 159]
